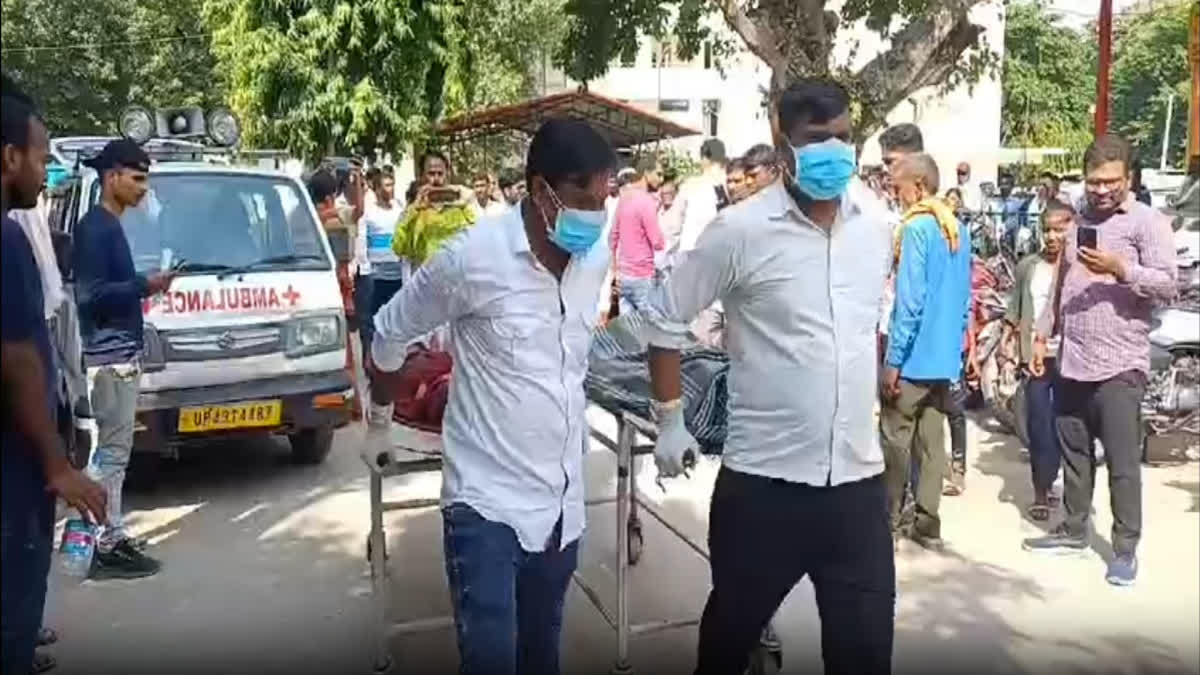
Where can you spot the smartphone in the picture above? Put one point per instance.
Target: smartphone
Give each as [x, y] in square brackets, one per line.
[443, 195]
[1086, 238]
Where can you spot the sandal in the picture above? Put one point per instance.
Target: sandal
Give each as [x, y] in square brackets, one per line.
[1038, 512]
[42, 662]
[46, 636]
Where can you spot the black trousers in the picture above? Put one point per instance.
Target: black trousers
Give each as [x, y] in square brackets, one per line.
[765, 535]
[1111, 411]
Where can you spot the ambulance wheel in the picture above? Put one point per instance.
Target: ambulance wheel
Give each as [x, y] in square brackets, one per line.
[311, 446]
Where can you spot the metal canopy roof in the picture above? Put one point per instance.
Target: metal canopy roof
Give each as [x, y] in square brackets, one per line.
[622, 124]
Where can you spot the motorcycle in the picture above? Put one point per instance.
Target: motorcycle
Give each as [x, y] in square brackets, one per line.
[1171, 406]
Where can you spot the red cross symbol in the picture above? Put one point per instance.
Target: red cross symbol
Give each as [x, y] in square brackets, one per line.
[291, 296]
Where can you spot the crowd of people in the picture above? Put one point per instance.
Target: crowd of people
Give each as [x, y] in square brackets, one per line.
[842, 304]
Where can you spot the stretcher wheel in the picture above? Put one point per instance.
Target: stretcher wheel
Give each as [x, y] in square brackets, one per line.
[385, 551]
[636, 542]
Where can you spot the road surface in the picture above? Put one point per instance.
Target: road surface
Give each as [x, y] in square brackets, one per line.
[265, 573]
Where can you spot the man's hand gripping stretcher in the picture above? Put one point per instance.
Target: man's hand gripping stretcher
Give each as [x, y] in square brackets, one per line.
[675, 448]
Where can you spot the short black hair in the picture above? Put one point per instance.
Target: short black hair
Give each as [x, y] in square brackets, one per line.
[903, 137]
[761, 155]
[1108, 148]
[18, 111]
[1049, 174]
[17, 116]
[322, 185]
[1055, 205]
[737, 164]
[563, 151]
[713, 150]
[813, 101]
[432, 154]
[508, 178]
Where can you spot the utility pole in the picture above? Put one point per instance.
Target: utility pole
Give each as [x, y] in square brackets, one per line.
[1105, 65]
[1162, 162]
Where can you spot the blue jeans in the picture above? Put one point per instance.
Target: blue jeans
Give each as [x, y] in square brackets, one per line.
[1045, 455]
[508, 603]
[634, 293]
[26, 531]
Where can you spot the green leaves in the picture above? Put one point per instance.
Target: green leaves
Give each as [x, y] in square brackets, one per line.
[84, 60]
[1149, 65]
[1050, 81]
[322, 76]
[795, 38]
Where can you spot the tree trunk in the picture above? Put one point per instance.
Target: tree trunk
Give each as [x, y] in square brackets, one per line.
[795, 38]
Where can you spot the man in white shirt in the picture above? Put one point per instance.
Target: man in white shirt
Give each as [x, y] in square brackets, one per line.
[972, 198]
[699, 199]
[386, 272]
[484, 202]
[518, 293]
[800, 269]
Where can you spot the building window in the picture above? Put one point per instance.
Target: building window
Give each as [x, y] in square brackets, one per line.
[629, 60]
[712, 109]
[708, 54]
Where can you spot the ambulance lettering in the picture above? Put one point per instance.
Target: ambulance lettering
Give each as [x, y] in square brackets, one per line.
[240, 299]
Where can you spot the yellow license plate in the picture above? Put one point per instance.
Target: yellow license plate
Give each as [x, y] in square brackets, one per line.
[243, 415]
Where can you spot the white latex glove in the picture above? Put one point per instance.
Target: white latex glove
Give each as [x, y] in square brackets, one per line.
[379, 428]
[674, 442]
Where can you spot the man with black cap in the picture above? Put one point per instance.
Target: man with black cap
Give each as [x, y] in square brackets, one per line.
[109, 293]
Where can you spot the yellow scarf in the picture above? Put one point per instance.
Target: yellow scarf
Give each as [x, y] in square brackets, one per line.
[930, 206]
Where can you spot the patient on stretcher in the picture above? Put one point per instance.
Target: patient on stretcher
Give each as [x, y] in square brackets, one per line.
[618, 381]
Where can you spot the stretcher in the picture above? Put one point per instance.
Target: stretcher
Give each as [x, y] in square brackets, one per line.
[416, 451]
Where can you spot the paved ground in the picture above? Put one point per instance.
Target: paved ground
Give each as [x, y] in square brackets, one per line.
[265, 573]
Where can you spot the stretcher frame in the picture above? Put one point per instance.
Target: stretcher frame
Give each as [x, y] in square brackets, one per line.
[629, 502]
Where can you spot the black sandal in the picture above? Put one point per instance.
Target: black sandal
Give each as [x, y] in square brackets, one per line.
[46, 636]
[42, 662]
[1038, 512]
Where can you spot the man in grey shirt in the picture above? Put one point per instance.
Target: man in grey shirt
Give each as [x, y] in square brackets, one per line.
[800, 269]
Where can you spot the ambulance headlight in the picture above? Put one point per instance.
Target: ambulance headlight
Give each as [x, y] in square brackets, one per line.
[137, 124]
[223, 127]
[314, 334]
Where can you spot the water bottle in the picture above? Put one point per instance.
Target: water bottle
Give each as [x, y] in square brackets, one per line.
[77, 548]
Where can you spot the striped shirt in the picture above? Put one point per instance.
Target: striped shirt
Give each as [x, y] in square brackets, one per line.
[1105, 323]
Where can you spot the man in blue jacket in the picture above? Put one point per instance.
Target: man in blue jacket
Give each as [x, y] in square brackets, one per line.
[924, 353]
[109, 293]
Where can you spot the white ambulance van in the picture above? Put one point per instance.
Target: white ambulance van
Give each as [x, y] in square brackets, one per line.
[251, 337]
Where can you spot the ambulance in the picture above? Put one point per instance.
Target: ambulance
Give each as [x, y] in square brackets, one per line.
[251, 337]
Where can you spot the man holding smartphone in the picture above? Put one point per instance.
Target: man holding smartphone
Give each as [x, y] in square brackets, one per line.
[1118, 265]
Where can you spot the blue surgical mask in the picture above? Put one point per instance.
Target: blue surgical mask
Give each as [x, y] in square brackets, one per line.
[824, 169]
[575, 230]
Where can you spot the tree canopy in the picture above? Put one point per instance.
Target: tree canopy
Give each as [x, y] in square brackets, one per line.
[1149, 65]
[86, 60]
[930, 42]
[1049, 83]
[331, 75]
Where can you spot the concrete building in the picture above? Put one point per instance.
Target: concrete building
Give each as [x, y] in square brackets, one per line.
[726, 98]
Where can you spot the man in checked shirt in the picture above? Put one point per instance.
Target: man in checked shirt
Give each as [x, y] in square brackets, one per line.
[1105, 297]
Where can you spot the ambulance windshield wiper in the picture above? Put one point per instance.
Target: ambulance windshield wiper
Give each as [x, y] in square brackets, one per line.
[267, 262]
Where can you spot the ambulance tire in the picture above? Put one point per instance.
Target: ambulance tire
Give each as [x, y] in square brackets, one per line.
[311, 446]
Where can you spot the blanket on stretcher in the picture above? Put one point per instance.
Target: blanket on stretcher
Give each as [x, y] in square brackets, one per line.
[620, 381]
[617, 381]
